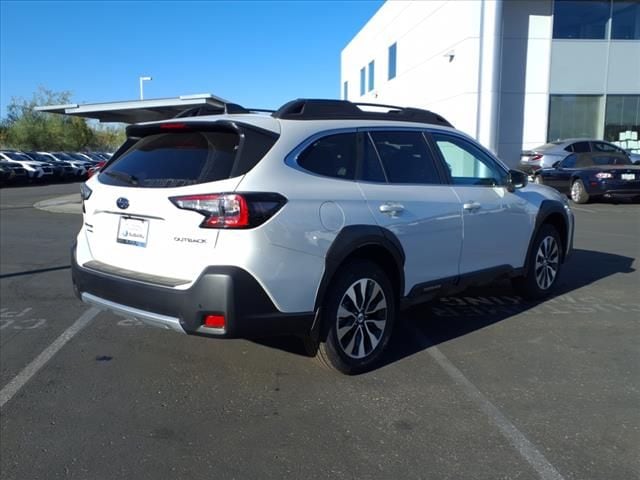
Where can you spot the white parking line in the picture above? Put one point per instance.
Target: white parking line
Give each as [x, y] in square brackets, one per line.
[30, 370]
[583, 209]
[516, 438]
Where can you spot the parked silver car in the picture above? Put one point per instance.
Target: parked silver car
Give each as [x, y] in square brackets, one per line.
[545, 156]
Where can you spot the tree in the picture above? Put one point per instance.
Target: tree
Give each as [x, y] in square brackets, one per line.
[27, 129]
[107, 138]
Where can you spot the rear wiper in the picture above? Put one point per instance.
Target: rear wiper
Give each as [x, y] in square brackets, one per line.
[125, 177]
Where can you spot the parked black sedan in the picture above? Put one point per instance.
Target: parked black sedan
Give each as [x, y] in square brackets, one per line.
[587, 176]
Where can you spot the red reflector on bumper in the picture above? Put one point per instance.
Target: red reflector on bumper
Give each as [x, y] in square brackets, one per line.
[214, 321]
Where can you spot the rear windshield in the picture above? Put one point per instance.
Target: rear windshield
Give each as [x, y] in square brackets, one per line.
[175, 159]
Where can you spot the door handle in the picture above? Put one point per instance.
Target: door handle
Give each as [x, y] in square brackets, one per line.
[391, 208]
[472, 206]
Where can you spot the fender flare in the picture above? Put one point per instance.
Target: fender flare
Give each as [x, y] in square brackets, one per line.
[548, 208]
[352, 238]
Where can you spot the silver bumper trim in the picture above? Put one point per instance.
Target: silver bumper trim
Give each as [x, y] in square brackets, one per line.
[150, 318]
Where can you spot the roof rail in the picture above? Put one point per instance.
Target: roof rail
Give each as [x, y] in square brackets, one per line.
[317, 109]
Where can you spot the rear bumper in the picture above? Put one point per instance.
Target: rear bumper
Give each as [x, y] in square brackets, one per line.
[228, 291]
[615, 188]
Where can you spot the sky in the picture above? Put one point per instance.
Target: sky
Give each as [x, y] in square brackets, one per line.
[259, 54]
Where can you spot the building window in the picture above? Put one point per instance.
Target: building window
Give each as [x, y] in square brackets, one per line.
[622, 121]
[371, 74]
[625, 20]
[362, 80]
[581, 19]
[345, 91]
[572, 116]
[392, 61]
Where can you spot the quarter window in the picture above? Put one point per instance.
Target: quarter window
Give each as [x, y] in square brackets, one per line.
[468, 164]
[332, 156]
[405, 157]
[605, 147]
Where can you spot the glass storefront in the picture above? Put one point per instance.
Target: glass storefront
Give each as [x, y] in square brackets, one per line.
[575, 116]
[622, 121]
[614, 118]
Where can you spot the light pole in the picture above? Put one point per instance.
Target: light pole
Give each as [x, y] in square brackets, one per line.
[143, 79]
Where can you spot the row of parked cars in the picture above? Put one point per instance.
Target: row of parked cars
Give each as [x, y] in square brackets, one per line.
[585, 169]
[32, 166]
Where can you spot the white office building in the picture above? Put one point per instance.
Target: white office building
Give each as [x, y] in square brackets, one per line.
[512, 73]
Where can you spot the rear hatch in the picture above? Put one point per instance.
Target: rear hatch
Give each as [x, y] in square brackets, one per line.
[132, 224]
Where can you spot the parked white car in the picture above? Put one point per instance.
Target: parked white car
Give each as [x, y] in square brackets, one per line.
[321, 220]
[79, 167]
[35, 170]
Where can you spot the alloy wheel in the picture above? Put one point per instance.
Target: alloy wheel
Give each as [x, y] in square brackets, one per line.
[547, 262]
[361, 318]
[576, 191]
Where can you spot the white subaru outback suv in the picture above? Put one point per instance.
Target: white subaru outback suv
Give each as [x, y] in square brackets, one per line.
[321, 220]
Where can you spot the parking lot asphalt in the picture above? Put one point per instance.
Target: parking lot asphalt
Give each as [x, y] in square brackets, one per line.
[481, 385]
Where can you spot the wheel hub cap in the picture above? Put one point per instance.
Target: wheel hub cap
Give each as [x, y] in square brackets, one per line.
[361, 318]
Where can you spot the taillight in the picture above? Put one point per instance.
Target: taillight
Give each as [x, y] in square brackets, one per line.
[214, 321]
[85, 191]
[535, 157]
[232, 210]
[603, 175]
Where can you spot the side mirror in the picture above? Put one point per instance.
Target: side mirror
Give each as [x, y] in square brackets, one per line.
[517, 179]
[556, 164]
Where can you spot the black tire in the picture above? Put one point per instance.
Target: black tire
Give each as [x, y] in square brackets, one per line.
[543, 265]
[578, 192]
[348, 343]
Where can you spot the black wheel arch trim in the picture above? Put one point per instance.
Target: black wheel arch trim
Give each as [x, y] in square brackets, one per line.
[352, 238]
[548, 208]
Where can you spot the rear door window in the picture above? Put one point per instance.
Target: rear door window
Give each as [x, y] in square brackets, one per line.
[371, 166]
[581, 147]
[175, 159]
[405, 157]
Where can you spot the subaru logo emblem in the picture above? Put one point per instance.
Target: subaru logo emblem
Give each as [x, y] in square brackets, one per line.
[122, 203]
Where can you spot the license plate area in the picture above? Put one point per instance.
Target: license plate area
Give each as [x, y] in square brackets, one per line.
[628, 176]
[133, 231]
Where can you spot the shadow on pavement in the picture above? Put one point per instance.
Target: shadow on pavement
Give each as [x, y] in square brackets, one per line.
[450, 317]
